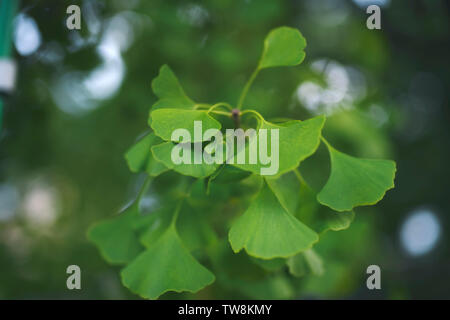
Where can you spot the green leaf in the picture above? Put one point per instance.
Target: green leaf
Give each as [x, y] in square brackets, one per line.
[158, 222]
[169, 91]
[163, 153]
[297, 141]
[273, 287]
[139, 157]
[283, 46]
[271, 264]
[287, 189]
[165, 266]
[308, 262]
[335, 221]
[192, 227]
[298, 199]
[242, 274]
[116, 238]
[228, 174]
[320, 218]
[355, 182]
[266, 230]
[166, 121]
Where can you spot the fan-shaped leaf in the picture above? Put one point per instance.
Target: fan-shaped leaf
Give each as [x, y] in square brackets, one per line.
[283, 47]
[166, 121]
[266, 230]
[297, 141]
[139, 157]
[355, 182]
[165, 266]
[169, 91]
[163, 153]
[116, 238]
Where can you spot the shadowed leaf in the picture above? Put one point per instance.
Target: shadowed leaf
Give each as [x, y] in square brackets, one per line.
[266, 230]
[165, 266]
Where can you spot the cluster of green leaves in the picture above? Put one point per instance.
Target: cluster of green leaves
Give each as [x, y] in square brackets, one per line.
[270, 222]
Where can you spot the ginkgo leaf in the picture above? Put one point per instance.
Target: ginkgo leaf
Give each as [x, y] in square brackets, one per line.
[239, 272]
[327, 219]
[271, 264]
[320, 218]
[165, 266]
[283, 46]
[158, 222]
[163, 153]
[300, 200]
[115, 237]
[169, 91]
[228, 174]
[166, 121]
[192, 228]
[287, 190]
[308, 262]
[355, 182]
[266, 230]
[139, 157]
[297, 141]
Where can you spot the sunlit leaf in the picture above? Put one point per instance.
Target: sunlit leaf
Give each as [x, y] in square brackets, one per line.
[169, 91]
[297, 141]
[266, 230]
[165, 266]
[355, 182]
[163, 153]
[283, 47]
[166, 121]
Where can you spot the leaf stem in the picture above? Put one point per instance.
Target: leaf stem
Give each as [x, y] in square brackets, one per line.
[201, 105]
[255, 113]
[221, 104]
[142, 191]
[180, 203]
[247, 87]
[228, 114]
[177, 212]
[300, 177]
[326, 142]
